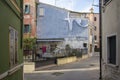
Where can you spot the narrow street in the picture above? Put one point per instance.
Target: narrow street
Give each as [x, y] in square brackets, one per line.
[59, 40]
[87, 69]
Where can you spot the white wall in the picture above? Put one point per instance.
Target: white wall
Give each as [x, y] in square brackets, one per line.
[111, 26]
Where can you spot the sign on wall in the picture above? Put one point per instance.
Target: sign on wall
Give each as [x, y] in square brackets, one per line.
[13, 46]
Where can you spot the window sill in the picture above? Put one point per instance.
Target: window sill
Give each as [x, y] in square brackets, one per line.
[112, 65]
[26, 33]
[26, 13]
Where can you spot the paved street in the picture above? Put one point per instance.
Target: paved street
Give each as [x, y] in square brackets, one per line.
[87, 69]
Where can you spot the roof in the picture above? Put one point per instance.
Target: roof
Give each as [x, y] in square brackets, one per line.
[50, 40]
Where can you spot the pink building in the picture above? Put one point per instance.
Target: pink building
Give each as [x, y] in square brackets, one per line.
[29, 18]
[93, 31]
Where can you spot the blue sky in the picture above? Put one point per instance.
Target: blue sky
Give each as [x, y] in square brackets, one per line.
[75, 5]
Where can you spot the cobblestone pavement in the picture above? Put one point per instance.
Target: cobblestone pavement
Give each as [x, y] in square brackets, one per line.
[87, 69]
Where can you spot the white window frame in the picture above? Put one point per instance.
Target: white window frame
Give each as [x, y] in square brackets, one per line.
[41, 11]
[25, 8]
[13, 46]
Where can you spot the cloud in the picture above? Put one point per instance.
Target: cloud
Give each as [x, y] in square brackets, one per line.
[87, 8]
[75, 5]
[68, 4]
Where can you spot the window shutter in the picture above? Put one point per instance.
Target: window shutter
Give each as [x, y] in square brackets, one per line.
[29, 28]
[27, 9]
[41, 12]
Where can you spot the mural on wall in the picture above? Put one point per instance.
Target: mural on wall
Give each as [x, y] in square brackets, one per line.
[78, 28]
[57, 23]
[13, 46]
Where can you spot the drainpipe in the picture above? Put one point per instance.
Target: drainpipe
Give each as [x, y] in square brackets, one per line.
[100, 27]
[22, 24]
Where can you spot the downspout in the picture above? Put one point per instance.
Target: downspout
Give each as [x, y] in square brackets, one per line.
[100, 27]
[22, 23]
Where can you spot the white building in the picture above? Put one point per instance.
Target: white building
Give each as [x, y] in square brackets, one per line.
[111, 39]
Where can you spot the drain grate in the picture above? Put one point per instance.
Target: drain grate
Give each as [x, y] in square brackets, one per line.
[57, 73]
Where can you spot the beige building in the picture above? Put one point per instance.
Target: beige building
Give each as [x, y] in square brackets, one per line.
[93, 31]
[96, 31]
[111, 39]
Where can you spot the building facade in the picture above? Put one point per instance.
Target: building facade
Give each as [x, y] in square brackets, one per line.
[93, 31]
[29, 18]
[57, 25]
[110, 39]
[11, 25]
[96, 32]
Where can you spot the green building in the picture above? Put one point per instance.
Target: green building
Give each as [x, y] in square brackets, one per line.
[11, 56]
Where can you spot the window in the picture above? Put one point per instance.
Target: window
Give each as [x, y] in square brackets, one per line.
[91, 32]
[13, 46]
[84, 44]
[90, 48]
[95, 19]
[27, 9]
[96, 47]
[95, 28]
[95, 37]
[27, 28]
[42, 12]
[112, 49]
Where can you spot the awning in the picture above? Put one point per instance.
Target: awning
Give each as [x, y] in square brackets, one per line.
[49, 40]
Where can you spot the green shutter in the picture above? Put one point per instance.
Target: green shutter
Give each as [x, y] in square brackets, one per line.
[29, 28]
[28, 9]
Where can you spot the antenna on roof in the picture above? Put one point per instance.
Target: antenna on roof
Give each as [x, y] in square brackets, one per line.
[56, 2]
[91, 9]
[92, 3]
